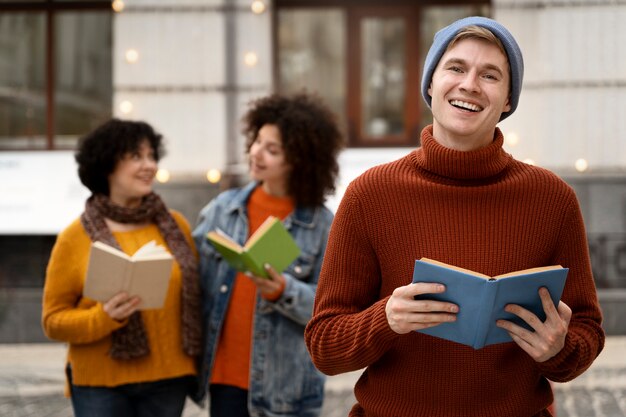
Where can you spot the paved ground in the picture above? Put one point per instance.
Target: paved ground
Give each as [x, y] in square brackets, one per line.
[31, 384]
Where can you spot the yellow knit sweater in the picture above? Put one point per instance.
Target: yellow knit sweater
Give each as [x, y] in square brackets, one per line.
[83, 324]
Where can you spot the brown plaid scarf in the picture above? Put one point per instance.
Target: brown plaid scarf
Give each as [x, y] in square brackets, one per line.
[131, 341]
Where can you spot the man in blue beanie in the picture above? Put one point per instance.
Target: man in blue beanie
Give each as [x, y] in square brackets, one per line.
[459, 199]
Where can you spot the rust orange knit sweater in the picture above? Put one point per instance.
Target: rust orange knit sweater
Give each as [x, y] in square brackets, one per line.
[480, 210]
[84, 325]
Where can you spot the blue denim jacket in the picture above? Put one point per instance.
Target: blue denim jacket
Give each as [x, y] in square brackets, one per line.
[283, 379]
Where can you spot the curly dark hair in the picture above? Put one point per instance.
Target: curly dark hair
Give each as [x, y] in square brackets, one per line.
[99, 151]
[311, 140]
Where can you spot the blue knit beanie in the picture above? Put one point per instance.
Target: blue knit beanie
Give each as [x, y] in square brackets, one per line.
[445, 35]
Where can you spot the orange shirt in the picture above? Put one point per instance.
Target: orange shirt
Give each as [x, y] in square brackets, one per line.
[232, 359]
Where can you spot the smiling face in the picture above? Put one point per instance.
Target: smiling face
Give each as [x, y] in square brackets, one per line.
[268, 161]
[469, 90]
[132, 178]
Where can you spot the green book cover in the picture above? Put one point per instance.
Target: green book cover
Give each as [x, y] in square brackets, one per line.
[271, 243]
[482, 299]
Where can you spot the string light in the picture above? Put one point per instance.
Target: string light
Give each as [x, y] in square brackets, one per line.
[163, 175]
[257, 7]
[581, 165]
[512, 139]
[117, 6]
[131, 56]
[126, 107]
[250, 59]
[214, 176]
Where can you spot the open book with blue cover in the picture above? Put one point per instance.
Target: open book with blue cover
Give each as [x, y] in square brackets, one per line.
[482, 299]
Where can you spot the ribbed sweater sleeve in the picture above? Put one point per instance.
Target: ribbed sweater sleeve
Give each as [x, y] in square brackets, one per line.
[62, 320]
[351, 330]
[581, 346]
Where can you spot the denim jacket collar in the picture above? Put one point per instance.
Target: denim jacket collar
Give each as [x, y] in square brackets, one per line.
[305, 217]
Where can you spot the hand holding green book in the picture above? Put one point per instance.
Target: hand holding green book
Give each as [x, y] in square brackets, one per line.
[270, 244]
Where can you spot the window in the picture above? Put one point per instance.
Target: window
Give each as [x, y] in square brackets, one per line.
[383, 64]
[23, 260]
[364, 59]
[55, 72]
[312, 45]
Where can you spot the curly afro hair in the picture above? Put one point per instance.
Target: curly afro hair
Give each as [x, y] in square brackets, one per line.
[311, 140]
[99, 151]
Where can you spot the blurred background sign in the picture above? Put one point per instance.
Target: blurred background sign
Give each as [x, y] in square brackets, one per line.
[40, 192]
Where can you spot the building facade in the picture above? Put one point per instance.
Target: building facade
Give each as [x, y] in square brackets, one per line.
[190, 68]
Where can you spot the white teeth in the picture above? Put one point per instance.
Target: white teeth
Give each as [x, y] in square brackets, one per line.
[465, 105]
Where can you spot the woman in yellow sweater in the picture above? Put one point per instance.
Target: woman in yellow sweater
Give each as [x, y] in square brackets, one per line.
[123, 361]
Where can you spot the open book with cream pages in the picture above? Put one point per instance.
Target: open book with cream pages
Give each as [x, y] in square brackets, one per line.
[146, 273]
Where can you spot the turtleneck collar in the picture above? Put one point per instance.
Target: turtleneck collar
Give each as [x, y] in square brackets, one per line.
[488, 161]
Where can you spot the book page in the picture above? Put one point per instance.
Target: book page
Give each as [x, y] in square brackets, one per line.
[528, 271]
[478, 274]
[107, 272]
[220, 238]
[151, 282]
[456, 268]
[103, 247]
[111, 271]
[260, 231]
[151, 250]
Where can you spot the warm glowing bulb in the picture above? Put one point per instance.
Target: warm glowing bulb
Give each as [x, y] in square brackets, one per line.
[163, 175]
[117, 5]
[132, 56]
[529, 161]
[581, 165]
[250, 59]
[126, 107]
[214, 176]
[257, 7]
[512, 139]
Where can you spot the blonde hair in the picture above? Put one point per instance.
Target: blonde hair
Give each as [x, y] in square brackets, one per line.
[478, 32]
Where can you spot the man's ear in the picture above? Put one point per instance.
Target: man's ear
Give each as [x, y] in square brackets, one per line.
[507, 105]
[430, 89]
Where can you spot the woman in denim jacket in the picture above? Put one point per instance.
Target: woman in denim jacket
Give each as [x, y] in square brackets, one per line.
[255, 361]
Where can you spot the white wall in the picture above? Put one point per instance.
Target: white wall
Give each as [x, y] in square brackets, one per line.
[353, 162]
[570, 105]
[180, 83]
[574, 82]
[41, 192]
